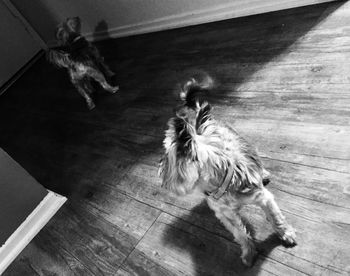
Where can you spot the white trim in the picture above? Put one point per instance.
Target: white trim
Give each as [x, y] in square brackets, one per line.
[20, 72]
[238, 8]
[29, 228]
[26, 24]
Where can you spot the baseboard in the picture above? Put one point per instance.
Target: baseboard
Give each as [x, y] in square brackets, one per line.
[29, 228]
[234, 9]
[21, 71]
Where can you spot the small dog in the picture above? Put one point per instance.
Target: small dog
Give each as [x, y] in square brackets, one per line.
[205, 156]
[81, 58]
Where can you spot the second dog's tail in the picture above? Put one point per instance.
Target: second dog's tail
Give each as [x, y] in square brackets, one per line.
[194, 90]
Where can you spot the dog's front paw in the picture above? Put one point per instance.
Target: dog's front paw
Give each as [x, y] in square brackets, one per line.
[288, 237]
[91, 105]
[114, 89]
[249, 255]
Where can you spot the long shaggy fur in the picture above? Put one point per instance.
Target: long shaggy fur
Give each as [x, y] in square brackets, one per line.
[59, 58]
[82, 60]
[199, 151]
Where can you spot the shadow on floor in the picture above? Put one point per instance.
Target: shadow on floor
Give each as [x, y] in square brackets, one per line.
[213, 252]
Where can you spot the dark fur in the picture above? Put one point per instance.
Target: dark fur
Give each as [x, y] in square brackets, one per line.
[82, 60]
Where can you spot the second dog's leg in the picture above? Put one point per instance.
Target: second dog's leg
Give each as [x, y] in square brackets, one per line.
[267, 202]
[98, 76]
[233, 223]
[83, 89]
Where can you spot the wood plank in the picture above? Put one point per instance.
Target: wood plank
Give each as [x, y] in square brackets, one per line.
[303, 215]
[310, 210]
[306, 136]
[109, 234]
[22, 267]
[122, 272]
[130, 215]
[174, 247]
[46, 257]
[313, 139]
[101, 247]
[331, 146]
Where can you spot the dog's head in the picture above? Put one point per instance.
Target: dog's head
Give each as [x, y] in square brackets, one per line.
[68, 30]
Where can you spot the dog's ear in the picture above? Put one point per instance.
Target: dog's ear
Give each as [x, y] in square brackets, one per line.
[59, 32]
[74, 24]
[185, 138]
[203, 117]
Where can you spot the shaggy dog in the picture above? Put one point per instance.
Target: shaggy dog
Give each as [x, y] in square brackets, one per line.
[206, 156]
[81, 58]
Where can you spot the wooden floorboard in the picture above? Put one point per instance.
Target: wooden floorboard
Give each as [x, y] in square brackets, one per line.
[186, 249]
[281, 79]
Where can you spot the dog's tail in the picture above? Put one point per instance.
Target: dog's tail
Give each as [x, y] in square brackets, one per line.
[194, 90]
[58, 58]
[196, 111]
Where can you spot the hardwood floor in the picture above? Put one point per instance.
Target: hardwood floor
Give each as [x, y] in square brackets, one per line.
[282, 81]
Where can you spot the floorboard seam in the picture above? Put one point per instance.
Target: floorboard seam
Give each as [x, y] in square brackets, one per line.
[312, 199]
[206, 230]
[305, 165]
[32, 268]
[74, 257]
[73, 254]
[126, 258]
[284, 264]
[319, 265]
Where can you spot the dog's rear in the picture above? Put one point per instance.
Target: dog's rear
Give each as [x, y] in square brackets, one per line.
[194, 95]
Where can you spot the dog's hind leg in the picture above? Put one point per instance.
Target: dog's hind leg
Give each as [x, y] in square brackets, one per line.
[99, 77]
[84, 88]
[233, 222]
[266, 201]
[86, 84]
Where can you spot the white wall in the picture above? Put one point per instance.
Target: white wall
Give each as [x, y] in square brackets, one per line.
[127, 17]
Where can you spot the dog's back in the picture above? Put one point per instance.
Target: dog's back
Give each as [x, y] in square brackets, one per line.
[197, 111]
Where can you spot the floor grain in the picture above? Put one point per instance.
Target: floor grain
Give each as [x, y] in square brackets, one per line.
[282, 80]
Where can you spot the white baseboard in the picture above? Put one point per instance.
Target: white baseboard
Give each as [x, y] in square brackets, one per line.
[29, 228]
[238, 8]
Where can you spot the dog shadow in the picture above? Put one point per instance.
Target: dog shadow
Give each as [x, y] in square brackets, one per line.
[211, 247]
[104, 41]
[101, 33]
